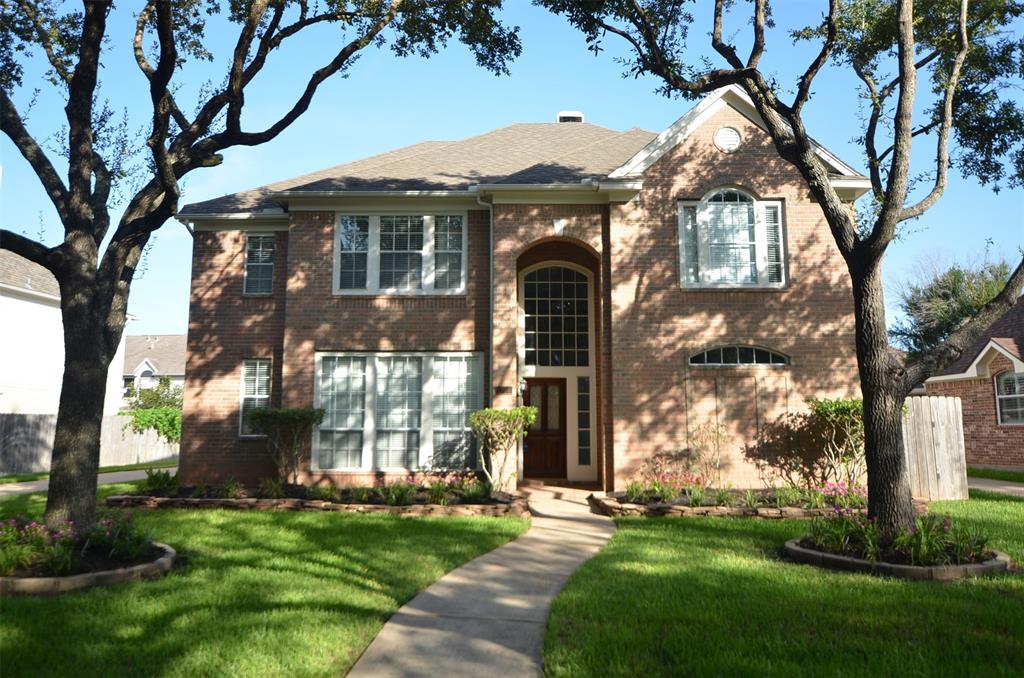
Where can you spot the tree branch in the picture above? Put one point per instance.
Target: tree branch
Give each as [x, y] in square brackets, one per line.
[13, 126]
[945, 123]
[804, 88]
[59, 65]
[27, 248]
[947, 352]
[147, 68]
[758, 48]
[723, 48]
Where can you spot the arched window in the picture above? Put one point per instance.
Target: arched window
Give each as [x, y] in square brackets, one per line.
[1010, 398]
[729, 239]
[737, 355]
[557, 322]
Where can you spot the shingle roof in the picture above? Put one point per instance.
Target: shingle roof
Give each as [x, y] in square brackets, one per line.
[1008, 332]
[19, 272]
[524, 153]
[166, 352]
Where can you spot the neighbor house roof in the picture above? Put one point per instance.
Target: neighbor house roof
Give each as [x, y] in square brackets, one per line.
[524, 153]
[165, 352]
[16, 271]
[1007, 333]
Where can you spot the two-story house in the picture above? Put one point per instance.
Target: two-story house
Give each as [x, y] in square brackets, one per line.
[631, 285]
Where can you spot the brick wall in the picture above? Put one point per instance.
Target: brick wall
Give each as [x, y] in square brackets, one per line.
[986, 442]
[656, 325]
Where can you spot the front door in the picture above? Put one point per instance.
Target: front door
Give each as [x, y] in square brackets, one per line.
[544, 446]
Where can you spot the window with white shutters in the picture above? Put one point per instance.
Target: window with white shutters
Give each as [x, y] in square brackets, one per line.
[729, 239]
[255, 392]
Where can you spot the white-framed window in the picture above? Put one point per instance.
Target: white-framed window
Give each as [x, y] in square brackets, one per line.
[259, 263]
[255, 392]
[731, 356]
[1010, 398]
[731, 240]
[400, 254]
[396, 411]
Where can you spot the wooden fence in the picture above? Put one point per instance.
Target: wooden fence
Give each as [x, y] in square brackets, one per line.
[26, 441]
[933, 437]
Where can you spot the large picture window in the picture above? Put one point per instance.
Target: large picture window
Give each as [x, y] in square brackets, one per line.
[555, 301]
[731, 240]
[397, 411]
[400, 254]
[1010, 398]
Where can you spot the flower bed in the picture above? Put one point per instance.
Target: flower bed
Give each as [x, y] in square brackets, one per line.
[517, 506]
[617, 504]
[39, 559]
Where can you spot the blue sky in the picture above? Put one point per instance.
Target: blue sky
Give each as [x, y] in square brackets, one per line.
[387, 102]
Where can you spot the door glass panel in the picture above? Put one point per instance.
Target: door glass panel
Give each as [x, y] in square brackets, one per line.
[554, 408]
[534, 398]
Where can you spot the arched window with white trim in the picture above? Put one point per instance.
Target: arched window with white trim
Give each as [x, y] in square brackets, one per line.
[722, 356]
[1010, 398]
[729, 239]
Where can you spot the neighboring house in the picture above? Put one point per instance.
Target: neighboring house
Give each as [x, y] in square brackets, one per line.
[632, 285]
[147, 358]
[32, 341]
[989, 380]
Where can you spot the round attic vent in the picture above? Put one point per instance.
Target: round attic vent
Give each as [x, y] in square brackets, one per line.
[728, 139]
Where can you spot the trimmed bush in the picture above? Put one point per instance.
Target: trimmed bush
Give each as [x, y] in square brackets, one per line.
[498, 431]
[288, 430]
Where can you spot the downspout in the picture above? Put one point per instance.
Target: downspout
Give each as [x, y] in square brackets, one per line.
[489, 400]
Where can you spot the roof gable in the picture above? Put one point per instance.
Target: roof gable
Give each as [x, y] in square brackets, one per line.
[1005, 335]
[164, 352]
[731, 95]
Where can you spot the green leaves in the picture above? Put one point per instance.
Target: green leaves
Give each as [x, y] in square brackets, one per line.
[166, 421]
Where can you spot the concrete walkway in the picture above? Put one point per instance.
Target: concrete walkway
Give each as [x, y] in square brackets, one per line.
[989, 485]
[487, 618]
[42, 485]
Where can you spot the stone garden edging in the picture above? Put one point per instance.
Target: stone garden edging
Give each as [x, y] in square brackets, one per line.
[610, 506]
[517, 507]
[833, 561]
[47, 586]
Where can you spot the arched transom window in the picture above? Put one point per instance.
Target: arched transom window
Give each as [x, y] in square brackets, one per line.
[557, 322]
[731, 240]
[738, 355]
[1010, 397]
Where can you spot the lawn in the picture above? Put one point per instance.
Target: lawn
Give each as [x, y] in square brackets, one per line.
[25, 477]
[713, 597]
[262, 594]
[997, 474]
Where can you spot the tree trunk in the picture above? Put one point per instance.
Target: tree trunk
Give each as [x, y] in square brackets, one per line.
[889, 499]
[76, 443]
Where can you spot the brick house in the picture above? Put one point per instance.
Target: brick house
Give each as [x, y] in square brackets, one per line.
[989, 380]
[632, 285]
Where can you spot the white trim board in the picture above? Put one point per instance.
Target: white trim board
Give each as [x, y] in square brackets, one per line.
[978, 368]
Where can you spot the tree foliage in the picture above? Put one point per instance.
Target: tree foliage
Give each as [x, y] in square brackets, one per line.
[288, 433]
[166, 421]
[161, 395]
[938, 305]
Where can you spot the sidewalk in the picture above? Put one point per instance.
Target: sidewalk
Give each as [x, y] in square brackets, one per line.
[487, 618]
[12, 489]
[989, 485]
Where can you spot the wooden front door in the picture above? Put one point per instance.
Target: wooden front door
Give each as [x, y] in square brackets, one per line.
[544, 446]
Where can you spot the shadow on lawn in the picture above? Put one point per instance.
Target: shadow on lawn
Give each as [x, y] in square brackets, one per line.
[262, 594]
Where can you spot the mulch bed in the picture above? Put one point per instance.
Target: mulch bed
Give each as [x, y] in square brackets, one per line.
[612, 506]
[515, 507]
[101, 571]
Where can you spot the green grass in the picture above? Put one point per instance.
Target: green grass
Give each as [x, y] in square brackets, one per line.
[712, 596]
[262, 594]
[997, 474]
[25, 477]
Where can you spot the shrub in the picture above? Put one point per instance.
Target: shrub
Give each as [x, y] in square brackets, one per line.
[933, 540]
[786, 496]
[323, 493]
[166, 421]
[666, 475]
[163, 395]
[498, 431]
[438, 492]
[637, 493]
[58, 550]
[706, 443]
[751, 499]
[399, 493]
[810, 449]
[696, 495]
[724, 496]
[158, 479]
[361, 495]
[474, 491]
[270, 488]
[287, 431]
[233, 489]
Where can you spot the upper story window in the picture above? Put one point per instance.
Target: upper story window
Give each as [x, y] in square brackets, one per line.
[728, 239]
[737, 355]
[259, 263]
[555, 300]
[1010, 398]
[400, 254]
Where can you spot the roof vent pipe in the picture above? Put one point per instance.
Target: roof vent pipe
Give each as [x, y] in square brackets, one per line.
[569, 116]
